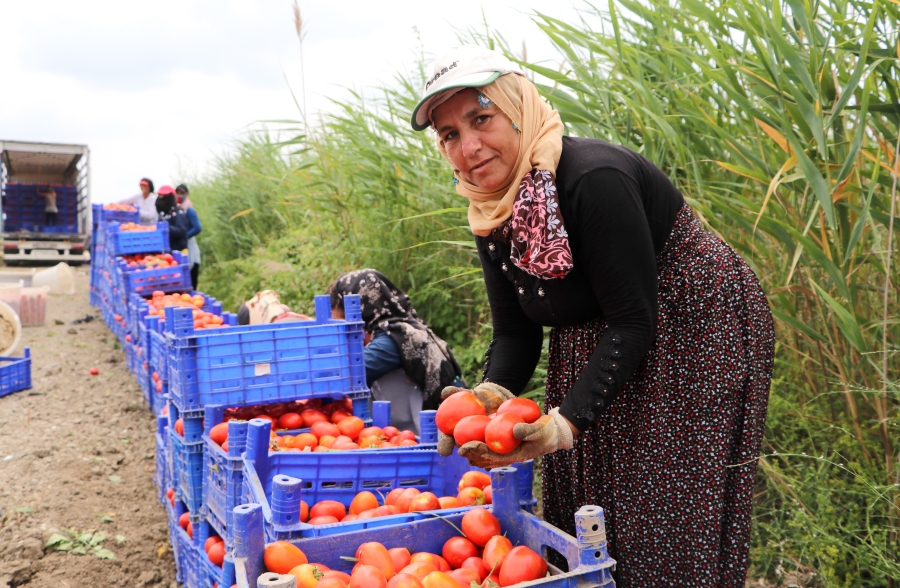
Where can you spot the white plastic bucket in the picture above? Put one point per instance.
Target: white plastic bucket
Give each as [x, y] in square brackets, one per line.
[8, 315]
[60, 278]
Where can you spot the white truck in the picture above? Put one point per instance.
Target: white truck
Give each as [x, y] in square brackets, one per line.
[28, 171]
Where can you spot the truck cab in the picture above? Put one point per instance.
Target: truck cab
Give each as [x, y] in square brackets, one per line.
[27, 171]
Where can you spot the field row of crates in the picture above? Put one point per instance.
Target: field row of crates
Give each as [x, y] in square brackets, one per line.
[262, 427]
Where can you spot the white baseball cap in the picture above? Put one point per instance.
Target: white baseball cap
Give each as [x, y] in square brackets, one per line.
[469, 66]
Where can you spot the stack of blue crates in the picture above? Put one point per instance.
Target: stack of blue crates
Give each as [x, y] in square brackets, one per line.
[25, 208]
[192, 375]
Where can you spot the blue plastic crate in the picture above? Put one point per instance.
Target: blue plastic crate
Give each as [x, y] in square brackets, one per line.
[130, 361]
[128, 242]
[279, 480]
[15, 373]
[160, 477]
[102, 215]
[587, 557]
[165, 279]
[183, 547]
[187, 456]
[256, 364]
[94, 298]
[210, 574]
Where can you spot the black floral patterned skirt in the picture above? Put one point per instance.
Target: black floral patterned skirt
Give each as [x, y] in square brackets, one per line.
[673, 460]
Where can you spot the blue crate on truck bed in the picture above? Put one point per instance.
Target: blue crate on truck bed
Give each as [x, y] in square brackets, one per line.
[187, 457]
[282, 479]
[253, 364]
[128, 242]
[586, 554]
[15, 373]
[101, 215]
[165, 279]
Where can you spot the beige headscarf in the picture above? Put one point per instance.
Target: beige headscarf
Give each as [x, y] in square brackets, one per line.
[541, 132]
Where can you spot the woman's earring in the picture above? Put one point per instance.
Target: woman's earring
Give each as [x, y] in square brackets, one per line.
[455, 180]
[517, 128]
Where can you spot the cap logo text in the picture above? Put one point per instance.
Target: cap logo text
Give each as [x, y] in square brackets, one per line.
[443, 71]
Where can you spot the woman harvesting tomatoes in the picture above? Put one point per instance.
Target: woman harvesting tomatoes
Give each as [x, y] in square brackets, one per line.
[662, 343]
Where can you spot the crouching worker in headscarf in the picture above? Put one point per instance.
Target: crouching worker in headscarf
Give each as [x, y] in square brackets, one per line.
[406, 363]
[266, 308]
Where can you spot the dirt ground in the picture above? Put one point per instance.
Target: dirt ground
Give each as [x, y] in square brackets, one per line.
[77, 452]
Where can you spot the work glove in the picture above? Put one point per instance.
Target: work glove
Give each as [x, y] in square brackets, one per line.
[491, 396]
[549, 433]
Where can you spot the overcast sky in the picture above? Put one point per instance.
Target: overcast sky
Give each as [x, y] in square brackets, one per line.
[158, 87]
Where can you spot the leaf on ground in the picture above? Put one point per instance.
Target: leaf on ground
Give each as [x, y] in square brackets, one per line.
[97, 538]
[120, 539]
[104, 553]
[25, 510]
[114, 479]
[80, 550]
[106, 518]
[55, 539]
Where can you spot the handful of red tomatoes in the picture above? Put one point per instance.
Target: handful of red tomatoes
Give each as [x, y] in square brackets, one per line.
[464, 417]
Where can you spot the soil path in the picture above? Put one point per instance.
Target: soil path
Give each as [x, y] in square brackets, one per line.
[78, 452]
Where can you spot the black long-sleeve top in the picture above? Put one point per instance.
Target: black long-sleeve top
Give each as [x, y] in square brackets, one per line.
[618, 209]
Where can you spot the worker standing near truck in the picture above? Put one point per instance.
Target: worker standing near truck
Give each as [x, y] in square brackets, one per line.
[662, 342]
[145, 202]
[50, 210]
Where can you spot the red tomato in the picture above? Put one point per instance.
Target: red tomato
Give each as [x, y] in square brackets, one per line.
[179, 426]
[495, 551]
[366, 576]
[385, 511]
[448, 501]
[455, 408]
[393, 495]
[488, 494]
[424, 501]
[290, 420]
[371, 432]
[304, 440]
[436, 560]
[499, 432]
[216, 553]
[405, 500]
[339, 415]
[351, 426]
[190, 530]
[304, 511]
[465, 576]
[527, 409]
[328, 507]
[456, 550]
[470, 428]
[391, 432]
[219, 433]
[324, 428]
[474, 479]
[477, 564]
[403, 581]
[184, 520]
[440, 580]
[349, 518]
[407, 435]
[266, 417]
[210, 542]
[326, 441]
[362, 502]
[400, 556]
[522, 565]
[419, 569]
[479, 525]
[323, 520]
[471, 497]
[375, 554]
[94, 371]
[311, 416]
[335, 574]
